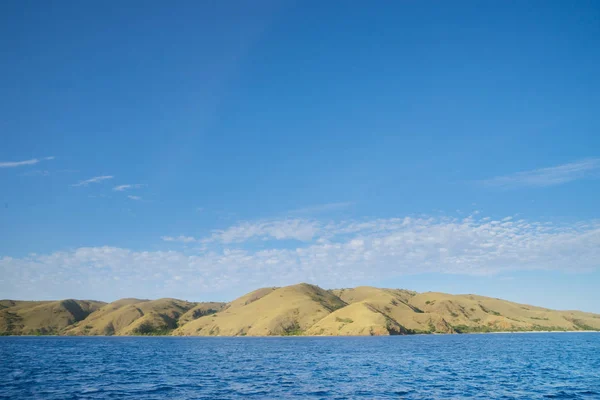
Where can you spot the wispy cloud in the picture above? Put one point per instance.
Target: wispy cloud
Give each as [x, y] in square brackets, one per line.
[134, 197]
[181, 239]
[95, 179]
[342, 253]
[33, 161]
[298, 229]
[551, 176]
[122, 188]
[39, 172]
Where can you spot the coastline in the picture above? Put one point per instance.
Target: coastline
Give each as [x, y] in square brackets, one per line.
[303, 336]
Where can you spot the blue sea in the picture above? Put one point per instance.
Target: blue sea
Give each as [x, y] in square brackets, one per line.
[483, 366]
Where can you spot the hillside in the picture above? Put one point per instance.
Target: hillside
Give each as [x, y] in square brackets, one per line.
[43, 317]
[309, 310]
[140, 317]
[301, 309]
[274, 311]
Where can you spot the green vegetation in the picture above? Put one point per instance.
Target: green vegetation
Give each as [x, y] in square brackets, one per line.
[147, 329]
[539, 328]
[431, 326]
[43, 332]
[345, 320]
[12, 320]
[582, 325]
[472, 329]
[292, 330]
[488, 311]
[109, 329]
[418, 332]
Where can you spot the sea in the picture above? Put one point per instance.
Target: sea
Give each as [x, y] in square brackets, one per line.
[471, 366]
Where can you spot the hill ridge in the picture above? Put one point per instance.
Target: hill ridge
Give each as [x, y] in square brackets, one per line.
[301, 309]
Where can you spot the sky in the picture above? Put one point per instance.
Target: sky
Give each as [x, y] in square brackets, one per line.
[200, 150]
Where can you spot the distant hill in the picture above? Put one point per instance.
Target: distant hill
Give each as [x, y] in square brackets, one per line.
[43, 317]
[141, 317]
[301, 309]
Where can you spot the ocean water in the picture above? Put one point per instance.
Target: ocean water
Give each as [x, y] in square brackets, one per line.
[492, 366]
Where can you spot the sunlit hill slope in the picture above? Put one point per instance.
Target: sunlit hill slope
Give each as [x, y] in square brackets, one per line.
[301, 309]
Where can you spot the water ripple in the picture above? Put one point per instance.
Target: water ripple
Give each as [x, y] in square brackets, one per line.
[511, 366]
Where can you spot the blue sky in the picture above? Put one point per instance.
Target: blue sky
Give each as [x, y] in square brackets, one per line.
[203, 149]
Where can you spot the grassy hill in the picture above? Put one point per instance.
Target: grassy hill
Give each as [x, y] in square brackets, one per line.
[140, 317]
[301, 309]
[43, 317]
[289, 310]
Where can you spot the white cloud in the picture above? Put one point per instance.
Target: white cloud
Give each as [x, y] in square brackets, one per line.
[39, 172]
[548, 176]
[134, 197]
[298, 229]
[33, 161]
[122, 188]
[182, 239]
[332, 254]
[95, 179]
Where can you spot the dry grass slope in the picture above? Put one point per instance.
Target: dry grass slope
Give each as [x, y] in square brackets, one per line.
[43, 317]
[200, 310]
[290, 310]
[301, 309]
[401, 317]
[472, 313]
[134, 317]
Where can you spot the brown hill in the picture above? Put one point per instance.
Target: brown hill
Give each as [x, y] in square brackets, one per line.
[274, 311]
[133, 317]
[301, 309]
[200, 310]
[374, 311]
[472, 313]
[43, 317]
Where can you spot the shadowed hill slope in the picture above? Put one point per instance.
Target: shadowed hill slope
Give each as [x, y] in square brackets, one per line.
[375, 311]
[43, 317]
[134, 317]
[301, 309]
[200, 310]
